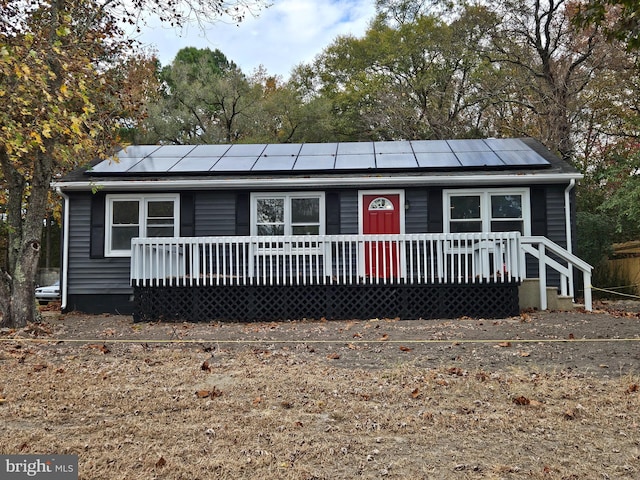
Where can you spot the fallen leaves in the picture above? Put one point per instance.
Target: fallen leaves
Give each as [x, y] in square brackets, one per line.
[333, 356]
[101, 348]
[214, 393]
[206, 366]
[405, 349]
[524, 401]
[521, 400]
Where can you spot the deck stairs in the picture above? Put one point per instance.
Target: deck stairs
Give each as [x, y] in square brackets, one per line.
[529, 295]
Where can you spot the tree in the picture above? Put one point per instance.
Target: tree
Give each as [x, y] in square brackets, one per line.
[205, 98]
[552, 63]
[414, 75]
[620, 19]
[69, 79]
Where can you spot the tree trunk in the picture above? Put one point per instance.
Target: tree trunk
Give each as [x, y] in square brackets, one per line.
[19, 304]
[25, 209]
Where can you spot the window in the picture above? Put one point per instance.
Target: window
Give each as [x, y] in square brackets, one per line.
[130, 216]
[493, 210]
[288, 214]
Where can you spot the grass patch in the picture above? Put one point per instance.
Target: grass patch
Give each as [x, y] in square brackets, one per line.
[139, 412]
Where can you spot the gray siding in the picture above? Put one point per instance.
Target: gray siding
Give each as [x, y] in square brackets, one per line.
[416, 219]
[215, 214]
[556, 227]
[349, 212]
[87, 275]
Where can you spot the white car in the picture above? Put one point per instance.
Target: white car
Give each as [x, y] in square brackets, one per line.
[48, 294]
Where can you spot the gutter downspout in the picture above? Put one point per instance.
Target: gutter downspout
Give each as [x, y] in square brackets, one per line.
[567, 219]
[65, 250]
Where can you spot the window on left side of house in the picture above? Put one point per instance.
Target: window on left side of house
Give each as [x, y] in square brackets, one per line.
[130, 216]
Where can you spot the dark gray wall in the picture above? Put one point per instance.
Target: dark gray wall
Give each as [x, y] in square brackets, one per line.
[86, 275]
[215, 214]
[416, 219]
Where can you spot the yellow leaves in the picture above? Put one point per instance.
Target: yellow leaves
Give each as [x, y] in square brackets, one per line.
[35, 136]
[76, 124]
[23, 71]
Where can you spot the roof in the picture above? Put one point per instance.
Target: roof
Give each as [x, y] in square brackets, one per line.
[325, 164]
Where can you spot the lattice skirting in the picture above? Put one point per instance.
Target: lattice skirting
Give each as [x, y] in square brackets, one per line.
[273, 303]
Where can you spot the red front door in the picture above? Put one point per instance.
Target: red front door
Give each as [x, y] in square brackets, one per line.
[381, 217]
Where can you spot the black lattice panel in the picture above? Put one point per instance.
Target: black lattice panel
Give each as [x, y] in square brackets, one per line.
[294, 302]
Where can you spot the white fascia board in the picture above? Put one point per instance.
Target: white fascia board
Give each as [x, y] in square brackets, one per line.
[359, 182]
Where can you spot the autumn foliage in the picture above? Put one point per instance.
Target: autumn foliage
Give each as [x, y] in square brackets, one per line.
[69, 79]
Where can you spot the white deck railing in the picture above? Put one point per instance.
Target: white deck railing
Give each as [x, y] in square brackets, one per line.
[552, 255]
[327, 259]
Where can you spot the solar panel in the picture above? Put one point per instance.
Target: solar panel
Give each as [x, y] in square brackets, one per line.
[521, 157]
[137, 151]
[468, 146]
[153, 164]
[121, 165]
[396, 160]
[400, 155]
[282, 149]
[393, 147]
[194, 164]
[498, 144]
[271, 163]
[234, 164]
[438, 160]
[209, 151]
[319, 149]
[245, 150]
[431, 146]
[355, 162]
[479, 159]
[172, 151]
[355, 148]
[315, 162]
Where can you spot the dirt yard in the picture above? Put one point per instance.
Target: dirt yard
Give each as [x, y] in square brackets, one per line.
[550, 395]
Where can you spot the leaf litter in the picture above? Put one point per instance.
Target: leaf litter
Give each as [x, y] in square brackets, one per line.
[273, 410]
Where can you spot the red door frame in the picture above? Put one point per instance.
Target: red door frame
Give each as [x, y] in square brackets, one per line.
[380, 259]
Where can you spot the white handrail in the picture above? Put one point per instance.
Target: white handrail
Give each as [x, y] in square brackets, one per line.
[539, 247]
[327, 259]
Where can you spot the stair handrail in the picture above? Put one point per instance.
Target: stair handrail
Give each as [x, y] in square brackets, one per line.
[573, 261]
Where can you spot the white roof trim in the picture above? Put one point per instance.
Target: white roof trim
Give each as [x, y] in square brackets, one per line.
[351, 181]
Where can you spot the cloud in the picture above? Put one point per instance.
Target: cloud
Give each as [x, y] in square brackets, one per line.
[282, 36]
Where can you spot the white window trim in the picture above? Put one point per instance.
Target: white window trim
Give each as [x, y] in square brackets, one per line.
[142, 203]
[485, 205]
[287, 196]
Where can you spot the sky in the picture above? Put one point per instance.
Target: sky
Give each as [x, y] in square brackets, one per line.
[280, 37]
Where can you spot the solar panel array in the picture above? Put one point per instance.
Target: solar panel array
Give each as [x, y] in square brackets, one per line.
[321, 157]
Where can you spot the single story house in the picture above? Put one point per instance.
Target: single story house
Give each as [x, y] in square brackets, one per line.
[411, 229]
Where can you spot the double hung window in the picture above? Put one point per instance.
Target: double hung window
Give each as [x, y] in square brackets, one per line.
[130, 216]
[288, 214]
[492, 210]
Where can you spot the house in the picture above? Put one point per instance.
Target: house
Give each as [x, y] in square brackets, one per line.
[411, 229]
